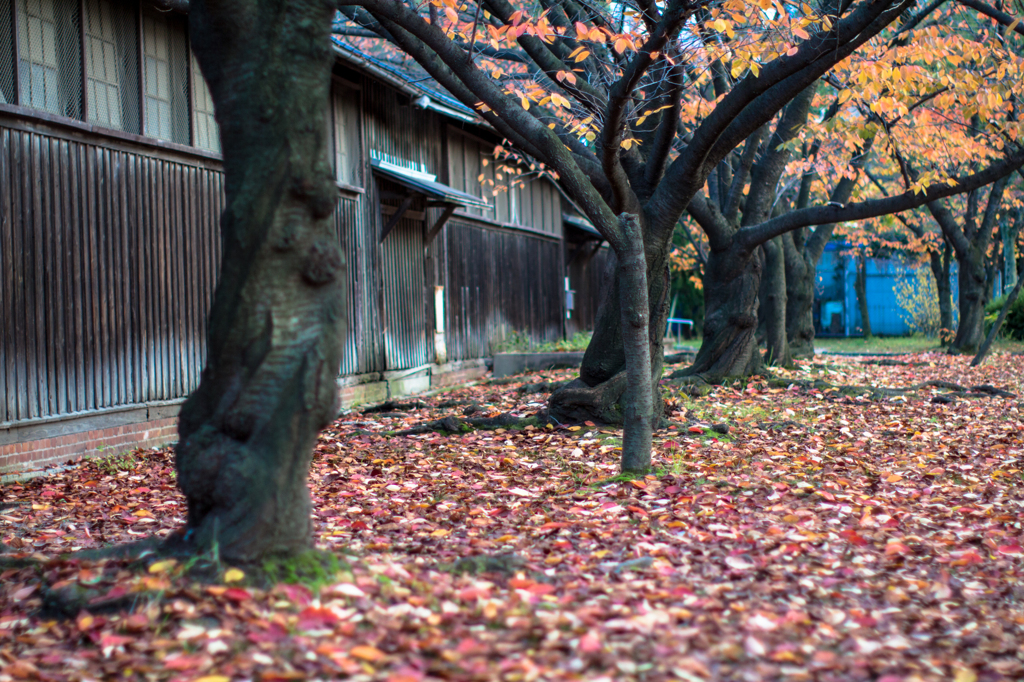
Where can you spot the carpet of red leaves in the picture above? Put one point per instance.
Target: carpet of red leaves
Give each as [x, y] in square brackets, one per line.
[826, 537]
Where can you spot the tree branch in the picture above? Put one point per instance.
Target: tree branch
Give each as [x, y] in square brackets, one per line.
[999, 16]
[819, 215]
[742, 174]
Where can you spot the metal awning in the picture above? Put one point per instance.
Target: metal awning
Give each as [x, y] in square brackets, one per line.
[581, 223]
[424, 183]
[420, 183]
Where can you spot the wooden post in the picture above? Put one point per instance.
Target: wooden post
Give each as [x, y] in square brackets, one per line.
[16, 47]
[141, 59]
[82, 55]
[189, 87]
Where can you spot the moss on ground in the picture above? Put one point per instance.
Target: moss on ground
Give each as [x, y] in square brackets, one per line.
[313, 568]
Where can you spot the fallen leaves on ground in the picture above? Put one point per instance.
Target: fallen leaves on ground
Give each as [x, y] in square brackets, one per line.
[826, 537]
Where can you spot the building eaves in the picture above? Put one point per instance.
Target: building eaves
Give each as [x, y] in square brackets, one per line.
[423, 95]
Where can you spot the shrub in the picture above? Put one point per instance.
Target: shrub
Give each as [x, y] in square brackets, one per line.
[917, 296]
[1013, 326]
[513, 342]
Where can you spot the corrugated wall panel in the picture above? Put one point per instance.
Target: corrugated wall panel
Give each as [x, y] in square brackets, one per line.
[404, 288]
[362, 352]
[109, 261]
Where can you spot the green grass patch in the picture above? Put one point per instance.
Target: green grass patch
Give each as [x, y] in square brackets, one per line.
[113, 464]
[313, 568]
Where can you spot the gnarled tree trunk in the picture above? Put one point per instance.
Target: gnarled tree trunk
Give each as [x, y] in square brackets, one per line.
[731, 282]
[276, 326]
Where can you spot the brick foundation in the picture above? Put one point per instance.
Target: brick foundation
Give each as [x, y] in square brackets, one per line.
[47, 443]
[44, 452]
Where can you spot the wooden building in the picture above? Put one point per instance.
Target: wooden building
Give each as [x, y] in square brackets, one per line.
[110, 191]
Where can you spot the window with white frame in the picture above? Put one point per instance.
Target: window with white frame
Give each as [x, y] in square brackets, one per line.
[165, 74]
[103, 78]
[347, 149]
[204, 123]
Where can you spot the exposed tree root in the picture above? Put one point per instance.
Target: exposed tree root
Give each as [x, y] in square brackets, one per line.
[453, 424]
[398, 407]
[390, 406]
[576, 402]
[541, 387]
[70, 600]
[456, 403]
[503, 381]
[682, 356]
[877, 393]
[480, 564]
[886, 362]
[691, 384]
[20, 561]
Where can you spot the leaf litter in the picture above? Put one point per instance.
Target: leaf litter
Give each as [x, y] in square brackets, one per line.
[825, 537]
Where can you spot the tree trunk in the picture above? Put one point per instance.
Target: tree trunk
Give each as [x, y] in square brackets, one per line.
[1008, 231]
[941, 265]
[800, 277]
[727, 350]
[276, 327]
[598, 394]
[639, 397]
[971, 303]
[860, 287]
[774, 305]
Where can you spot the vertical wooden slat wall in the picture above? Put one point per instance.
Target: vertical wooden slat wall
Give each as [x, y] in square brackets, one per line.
[590, 279]
[109, 261]
[499, 281]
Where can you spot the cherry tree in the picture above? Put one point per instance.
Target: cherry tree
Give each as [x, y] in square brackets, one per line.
[640, 111]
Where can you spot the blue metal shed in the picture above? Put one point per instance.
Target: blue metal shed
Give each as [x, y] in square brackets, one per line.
[836, 312]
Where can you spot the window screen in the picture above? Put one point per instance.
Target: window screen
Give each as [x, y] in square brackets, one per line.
[347, 151]
[207, 135]
[111, 65]
[6, 54]
[166, 77]
[49, 59]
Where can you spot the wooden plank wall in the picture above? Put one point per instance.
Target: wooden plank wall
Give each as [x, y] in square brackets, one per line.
[498, 281]
[590, 280]
[108, 261]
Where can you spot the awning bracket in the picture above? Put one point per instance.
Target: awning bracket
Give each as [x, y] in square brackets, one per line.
[396, 216]
[433, 231]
